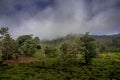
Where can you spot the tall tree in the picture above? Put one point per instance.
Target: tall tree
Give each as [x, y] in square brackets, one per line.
[28, 48]
[69, 50]
[89, 48]
[28, 44]
[23, 38]
[3, 31]
[37, 42]
[8, 47]
[51, 51]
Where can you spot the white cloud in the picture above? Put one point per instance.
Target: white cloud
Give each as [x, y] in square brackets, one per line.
[66, 16]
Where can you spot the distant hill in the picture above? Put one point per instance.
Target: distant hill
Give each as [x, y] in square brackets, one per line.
[105, 42]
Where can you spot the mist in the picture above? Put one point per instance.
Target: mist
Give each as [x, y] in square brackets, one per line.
[50, 19]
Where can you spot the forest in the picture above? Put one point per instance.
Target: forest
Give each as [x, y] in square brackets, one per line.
[73, 57]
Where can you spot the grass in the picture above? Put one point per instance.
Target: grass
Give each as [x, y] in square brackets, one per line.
[102, 68]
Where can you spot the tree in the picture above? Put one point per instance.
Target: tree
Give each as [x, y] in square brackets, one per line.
[37, 41]
[51, 52]
[64, 47]
[89, 48]
[3, 31]
[23, 38]
[9, 47]
[28, 48]
[69, 50]
[116, 44]
[28, 44]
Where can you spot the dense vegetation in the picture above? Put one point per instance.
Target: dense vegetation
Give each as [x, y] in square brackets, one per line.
[74, 57]
[24, 45]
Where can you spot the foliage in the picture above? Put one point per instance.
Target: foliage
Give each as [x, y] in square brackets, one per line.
[51, 52]
[37, 42]
[3, 31]
[23, 45]
[60, 59]
[100, 69]
[40, 55]
[69, 50]
[23, 38]
[9, 47]
[28, 47]
[64, 47]
[89, 49]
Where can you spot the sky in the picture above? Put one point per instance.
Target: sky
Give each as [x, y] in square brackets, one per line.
[50, 19]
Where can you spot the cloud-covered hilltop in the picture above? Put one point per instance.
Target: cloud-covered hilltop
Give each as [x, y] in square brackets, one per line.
[49, 19]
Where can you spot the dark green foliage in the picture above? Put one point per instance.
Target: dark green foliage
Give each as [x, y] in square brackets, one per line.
[24, 45]
[3, 31]
[108, 43]
[51, 52]
[64, 47]
[89, 49]
[23, 38]
[28, 47]
[100, 69]
[9, 47]
[105, 43]
[69, 50]
[116, 44]
[37, 42]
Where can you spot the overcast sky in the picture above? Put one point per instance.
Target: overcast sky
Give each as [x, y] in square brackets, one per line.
[49, 19]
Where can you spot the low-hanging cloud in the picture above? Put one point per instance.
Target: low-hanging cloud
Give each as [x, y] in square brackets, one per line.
[50, 19]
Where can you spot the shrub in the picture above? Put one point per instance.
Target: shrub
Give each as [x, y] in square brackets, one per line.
[28, 48]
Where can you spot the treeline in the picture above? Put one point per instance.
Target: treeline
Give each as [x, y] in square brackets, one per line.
[69, 50]
[70, 45]
[108, 43]
[104, 43]
[24, 45]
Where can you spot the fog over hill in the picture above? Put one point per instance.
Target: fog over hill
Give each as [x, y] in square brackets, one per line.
[50, 19]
